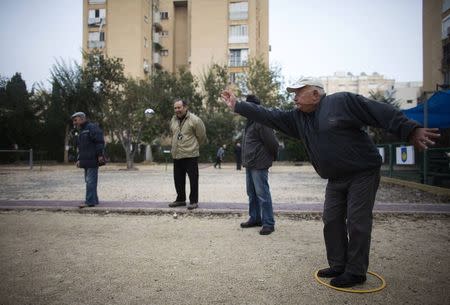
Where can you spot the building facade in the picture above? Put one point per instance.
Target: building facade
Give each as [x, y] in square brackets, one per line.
[171, 34]
[361, 84]
[407, 94]
[436, 45]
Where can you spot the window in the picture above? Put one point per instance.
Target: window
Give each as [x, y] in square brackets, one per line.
[96, 40]
[238, 10]
[446, 27]
[238, 34]
[236, 77]
[96, 17]
[238, 57]
[409, 101]
[98, 13]
[145, 19]
[145, 42]
[164, 33]
[164, 15]
[164, 52]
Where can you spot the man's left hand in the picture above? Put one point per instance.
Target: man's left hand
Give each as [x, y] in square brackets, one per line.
[422, 138]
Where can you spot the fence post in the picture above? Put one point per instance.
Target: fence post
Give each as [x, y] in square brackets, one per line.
[31, 158]
[391, 160]
[425, 166]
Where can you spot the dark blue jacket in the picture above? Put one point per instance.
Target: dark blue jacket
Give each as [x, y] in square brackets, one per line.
[333, 134]
[90, 144]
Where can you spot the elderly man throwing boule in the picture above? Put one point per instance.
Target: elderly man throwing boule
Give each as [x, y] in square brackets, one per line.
[331, 128]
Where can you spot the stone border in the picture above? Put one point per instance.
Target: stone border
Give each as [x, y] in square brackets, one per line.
[435, 190]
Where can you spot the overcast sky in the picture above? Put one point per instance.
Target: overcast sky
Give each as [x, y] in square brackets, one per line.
[307, 37]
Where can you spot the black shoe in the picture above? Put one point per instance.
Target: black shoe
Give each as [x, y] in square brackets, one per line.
[192, 206]
[82, 206]
[329, 272]
[177, 204]
[266, 230]
[347, 280]
[250, 224]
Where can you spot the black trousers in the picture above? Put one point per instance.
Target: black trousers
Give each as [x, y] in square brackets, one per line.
[347, 218]
[181, 167]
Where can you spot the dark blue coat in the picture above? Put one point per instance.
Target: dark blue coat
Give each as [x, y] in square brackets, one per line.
[90, 144]
[333, 134]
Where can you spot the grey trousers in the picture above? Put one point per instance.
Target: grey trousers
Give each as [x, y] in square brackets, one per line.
[347, 218]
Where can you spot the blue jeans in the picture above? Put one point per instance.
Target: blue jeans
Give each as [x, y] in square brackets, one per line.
[91, 178]
[260, 200]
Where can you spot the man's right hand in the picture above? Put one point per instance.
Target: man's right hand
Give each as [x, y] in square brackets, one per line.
[229, 98]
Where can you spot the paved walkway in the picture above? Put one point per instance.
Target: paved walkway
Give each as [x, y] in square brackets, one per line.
[118, 206]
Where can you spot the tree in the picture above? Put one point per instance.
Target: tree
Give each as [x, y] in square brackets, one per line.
[18, 122]
[214, 81]
[262, 81]
[129, 117]
[380, 135]
[68, 96]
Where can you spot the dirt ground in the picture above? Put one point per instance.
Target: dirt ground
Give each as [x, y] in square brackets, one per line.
[69, 258]
[288, 184]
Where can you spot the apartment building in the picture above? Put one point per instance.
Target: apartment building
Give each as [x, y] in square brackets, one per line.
[122, 29]
[361, 84]
[170, 34]
[436, 45]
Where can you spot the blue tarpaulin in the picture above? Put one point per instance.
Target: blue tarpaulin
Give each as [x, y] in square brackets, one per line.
[438, 111]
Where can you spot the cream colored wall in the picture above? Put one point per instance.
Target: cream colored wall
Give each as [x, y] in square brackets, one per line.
[209, 34]
[125, 37]
[181, 38]
[259, 29]
[432, 44]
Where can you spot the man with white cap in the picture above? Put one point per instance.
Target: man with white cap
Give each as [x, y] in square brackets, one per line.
[331, 127]
[91, 144]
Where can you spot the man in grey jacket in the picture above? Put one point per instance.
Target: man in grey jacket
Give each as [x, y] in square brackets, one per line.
[259, 149]
[331, 127]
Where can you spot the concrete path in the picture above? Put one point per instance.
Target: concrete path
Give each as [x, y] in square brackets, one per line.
[117, 206]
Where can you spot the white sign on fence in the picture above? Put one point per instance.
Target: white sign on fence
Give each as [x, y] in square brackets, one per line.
[381, 152]
[405, 155]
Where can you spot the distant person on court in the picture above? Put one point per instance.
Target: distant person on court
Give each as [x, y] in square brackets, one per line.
[90, 144]
[188, 133]
[220, 155]
[238, 155]
[259, 150]
[332, 129]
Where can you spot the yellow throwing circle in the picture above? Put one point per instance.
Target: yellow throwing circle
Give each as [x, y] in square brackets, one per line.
[381, 287]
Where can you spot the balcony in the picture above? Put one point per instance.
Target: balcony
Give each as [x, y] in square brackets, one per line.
[157, 21]
[156, 58]
[157, 46]
[95, 22]
[156, 38]
[96, 44]
[242, 15]
[97, 1]
[237, 63]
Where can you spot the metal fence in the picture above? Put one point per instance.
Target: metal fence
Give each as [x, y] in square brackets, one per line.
[19, 151]
[401, 160]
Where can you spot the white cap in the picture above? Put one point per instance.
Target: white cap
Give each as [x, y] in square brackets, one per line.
[78, 114]
[305, 81]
